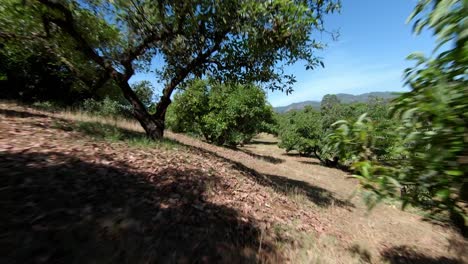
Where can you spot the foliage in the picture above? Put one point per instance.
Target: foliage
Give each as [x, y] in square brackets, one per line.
[331, 110]
[365, 132]
[223, 113]
[106, 107]
[186, 112]
[271, 126]
[38, 70]
[301, 131]
[145, 92]
[234, 40]
[352, 142]
[434, 119]
[46, 106]
[113, 105]
[310, 132]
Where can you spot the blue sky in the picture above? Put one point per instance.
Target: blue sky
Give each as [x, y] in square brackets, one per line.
[369, 55]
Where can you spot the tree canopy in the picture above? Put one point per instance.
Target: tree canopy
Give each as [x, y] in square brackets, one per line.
[236, 40]
[229, 114]
[432, 170]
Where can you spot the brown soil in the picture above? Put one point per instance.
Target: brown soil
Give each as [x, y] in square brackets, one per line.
[66, 198]
[383, 234]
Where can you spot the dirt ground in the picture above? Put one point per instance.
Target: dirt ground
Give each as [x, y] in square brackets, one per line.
[335, 197]
[67, 198]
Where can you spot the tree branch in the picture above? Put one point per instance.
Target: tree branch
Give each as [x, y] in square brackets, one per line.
[94, 85]
[184, 72]
[68, 24]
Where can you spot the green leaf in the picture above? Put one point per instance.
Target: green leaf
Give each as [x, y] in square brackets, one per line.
[454, 172]
[443, 194]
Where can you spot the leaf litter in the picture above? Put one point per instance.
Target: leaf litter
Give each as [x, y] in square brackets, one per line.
[67, 198]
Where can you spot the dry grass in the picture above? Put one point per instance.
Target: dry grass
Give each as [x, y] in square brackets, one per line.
[81, 116]
[308, 247]
[297, 194]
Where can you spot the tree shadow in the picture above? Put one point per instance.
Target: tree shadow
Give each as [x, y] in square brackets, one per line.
[361, 252]
[266, 158]
[311, 162]
[61, 209]
[281, 184]
[292, 154]
[261, 142]
[318, 195]
[443, 219]
[406, 255]
[20, 114]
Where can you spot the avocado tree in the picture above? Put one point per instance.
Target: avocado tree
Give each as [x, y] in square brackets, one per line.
[301, 131]
[241, 40]
[223, 113]
[434, 118]
[190, 105]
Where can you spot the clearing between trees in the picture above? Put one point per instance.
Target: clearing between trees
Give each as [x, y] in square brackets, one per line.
[79, 189]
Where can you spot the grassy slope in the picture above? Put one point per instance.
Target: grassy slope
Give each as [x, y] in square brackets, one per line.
[117, 197]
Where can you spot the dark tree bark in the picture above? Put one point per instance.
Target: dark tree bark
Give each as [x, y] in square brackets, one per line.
[153, 126]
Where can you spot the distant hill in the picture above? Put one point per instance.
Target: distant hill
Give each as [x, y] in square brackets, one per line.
[297, 106]
[344, 98]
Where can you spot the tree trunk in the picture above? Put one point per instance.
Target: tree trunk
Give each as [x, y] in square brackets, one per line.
[153, 125]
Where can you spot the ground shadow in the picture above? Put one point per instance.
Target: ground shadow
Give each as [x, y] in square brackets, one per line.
[20, 114]
[362, 253]
[266, 158]
[406, 255]
[261, 142]
[311, 162]
[61, 209]
[315, 194]
[292, 154]
[443, 219]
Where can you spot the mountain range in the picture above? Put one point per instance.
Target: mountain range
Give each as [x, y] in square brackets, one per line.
[344, 98]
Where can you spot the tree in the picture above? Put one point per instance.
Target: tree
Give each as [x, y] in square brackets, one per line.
[331, 110]
[434, 117]
[338, 135]
[37, 70]
[301, 131]
[223, 113]
[189, 107]
[241, 40]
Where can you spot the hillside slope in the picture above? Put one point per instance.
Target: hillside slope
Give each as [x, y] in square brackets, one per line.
[68, 196]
